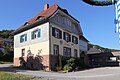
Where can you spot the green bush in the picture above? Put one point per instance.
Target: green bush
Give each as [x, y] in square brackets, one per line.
[70, 66]
[74, 64]
[67, 68]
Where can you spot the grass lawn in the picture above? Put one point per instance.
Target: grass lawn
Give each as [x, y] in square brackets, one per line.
[8, 76]
[1, 62]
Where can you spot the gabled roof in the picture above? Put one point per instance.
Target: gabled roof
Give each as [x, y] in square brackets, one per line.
[93, 51]
[41, 18]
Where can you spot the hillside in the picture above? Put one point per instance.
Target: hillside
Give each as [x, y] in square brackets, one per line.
[103, 49]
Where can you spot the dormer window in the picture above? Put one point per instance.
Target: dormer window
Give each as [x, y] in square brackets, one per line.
[23, 38]
[26, 24]
[35, 34]
[39, 17]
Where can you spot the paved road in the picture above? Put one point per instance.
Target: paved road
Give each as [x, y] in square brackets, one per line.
[106, 73]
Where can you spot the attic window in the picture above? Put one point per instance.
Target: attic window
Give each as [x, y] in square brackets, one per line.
[39, 17]
[26, 24]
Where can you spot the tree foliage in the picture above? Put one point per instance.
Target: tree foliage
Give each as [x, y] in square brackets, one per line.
[6, 34]
[8, 54]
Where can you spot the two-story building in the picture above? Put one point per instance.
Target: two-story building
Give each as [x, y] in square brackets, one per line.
[51, 33]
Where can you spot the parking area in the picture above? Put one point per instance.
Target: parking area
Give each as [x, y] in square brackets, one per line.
[104, 73]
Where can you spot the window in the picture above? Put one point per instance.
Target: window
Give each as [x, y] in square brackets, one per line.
[75, 53]
[67, 52]
[23, 38]
[67, 37]
[39, 17]
[74, 40]
[56, 33]
[58, 18]
[63, 20]
[36, 34]
[56, 49]
[68, 22]
[23, 52]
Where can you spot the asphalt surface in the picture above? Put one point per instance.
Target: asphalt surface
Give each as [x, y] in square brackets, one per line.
[105, 73]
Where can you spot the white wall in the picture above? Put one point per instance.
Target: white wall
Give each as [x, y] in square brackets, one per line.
[44, 36]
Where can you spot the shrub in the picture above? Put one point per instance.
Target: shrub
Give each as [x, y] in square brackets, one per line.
[70, 65]
[67, 68]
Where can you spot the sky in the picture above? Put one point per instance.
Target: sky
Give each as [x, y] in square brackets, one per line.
[97, 23]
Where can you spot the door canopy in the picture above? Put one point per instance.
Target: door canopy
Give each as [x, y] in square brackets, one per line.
[100, 2]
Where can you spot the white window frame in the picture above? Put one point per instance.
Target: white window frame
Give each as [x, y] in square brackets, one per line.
[56, 49]
[57, 33]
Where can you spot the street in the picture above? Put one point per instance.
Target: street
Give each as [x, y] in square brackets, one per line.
[105, 73]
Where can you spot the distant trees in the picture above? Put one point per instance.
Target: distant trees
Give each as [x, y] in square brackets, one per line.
[6, 34]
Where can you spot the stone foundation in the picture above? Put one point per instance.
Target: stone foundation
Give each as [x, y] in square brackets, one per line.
[45, 62]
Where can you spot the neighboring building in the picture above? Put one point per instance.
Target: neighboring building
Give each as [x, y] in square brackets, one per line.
[97, 58]
[83, 46]
[51, 33]
[4, 43]
[1, 44]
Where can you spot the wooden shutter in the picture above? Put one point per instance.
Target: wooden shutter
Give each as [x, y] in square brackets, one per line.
[32, 35]
[39, 31]
[20, 39]
[25, 37]
[76, 40]
[69, 37]
[64, 35]
[73, 39]
[53, 31]
[60, 34]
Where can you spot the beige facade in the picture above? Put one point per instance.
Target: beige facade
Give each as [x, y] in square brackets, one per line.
[62, 43]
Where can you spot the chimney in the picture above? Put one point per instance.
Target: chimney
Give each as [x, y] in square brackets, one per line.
[46, 6]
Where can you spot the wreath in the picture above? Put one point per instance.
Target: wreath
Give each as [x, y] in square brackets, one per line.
[99, 2]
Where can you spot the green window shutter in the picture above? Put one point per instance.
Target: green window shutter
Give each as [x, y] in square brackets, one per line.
[39, 33]
[20, 39]
[25, 37]
[32, 35]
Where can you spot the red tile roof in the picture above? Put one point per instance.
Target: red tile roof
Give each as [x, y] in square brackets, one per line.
[42, 15]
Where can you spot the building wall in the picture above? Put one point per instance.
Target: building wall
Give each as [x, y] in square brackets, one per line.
[34, 45]
[83, 45]
[62, 43]
[61, 20]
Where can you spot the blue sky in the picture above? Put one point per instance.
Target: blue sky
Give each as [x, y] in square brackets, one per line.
[97, 22]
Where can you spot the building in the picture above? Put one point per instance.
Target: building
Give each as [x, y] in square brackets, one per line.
[97, 58]
[4, 43]
[51, 33]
